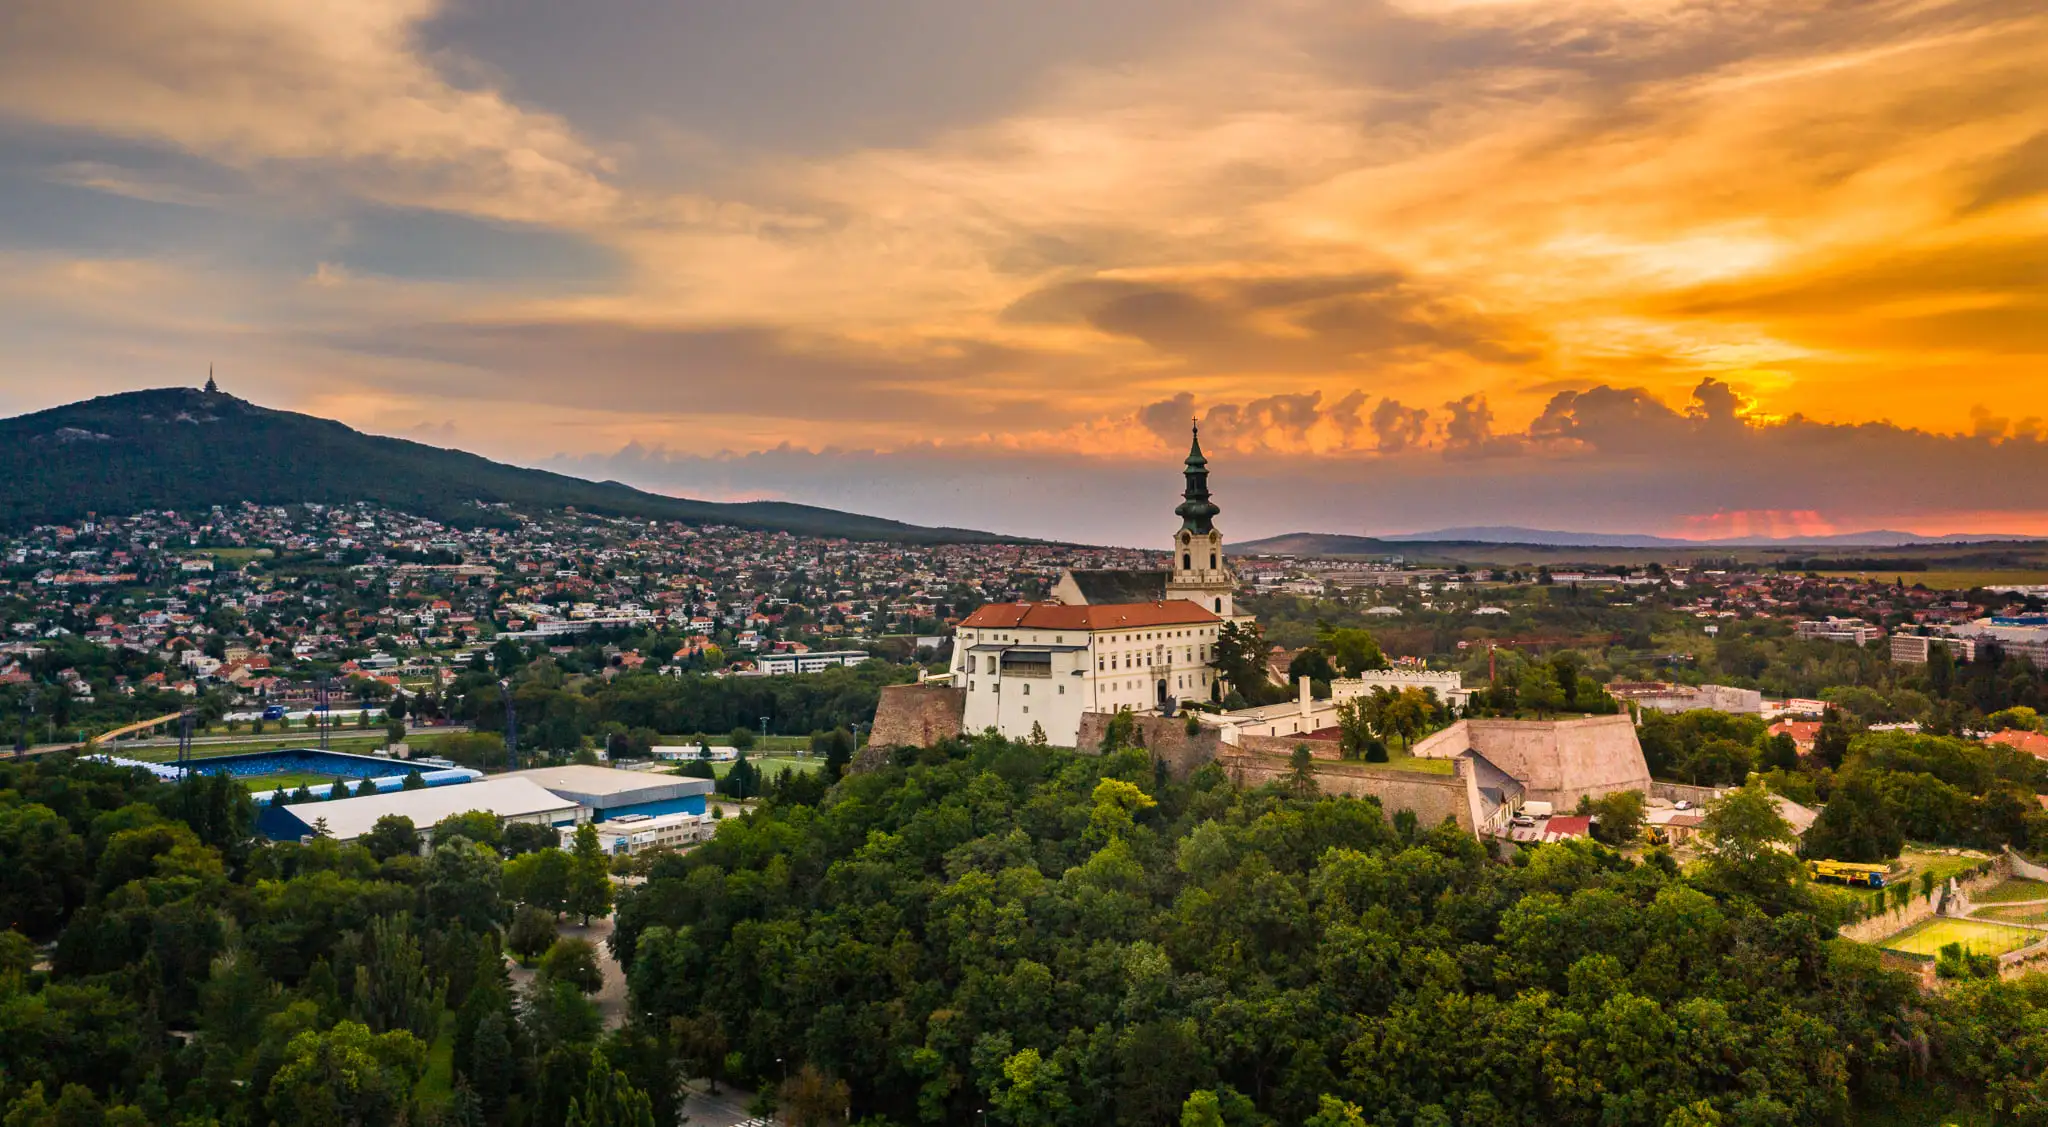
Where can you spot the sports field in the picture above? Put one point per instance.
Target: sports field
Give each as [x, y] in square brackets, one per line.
[264, 784]
[1977, 936]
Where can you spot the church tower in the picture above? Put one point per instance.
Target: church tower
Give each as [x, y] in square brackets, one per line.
[1197, 573]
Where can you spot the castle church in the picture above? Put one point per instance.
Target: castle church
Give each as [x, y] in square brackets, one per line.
[1196, 572]
[1108, 640]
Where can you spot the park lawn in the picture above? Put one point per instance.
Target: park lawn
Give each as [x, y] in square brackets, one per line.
[2014, 913]
[1930, 936]
[437, 1087]
[2012, 891]
[1942, 865]
[1953, 580]
[772, 765]
[1402, 761]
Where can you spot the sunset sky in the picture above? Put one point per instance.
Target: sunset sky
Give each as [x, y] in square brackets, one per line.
[1693, 268]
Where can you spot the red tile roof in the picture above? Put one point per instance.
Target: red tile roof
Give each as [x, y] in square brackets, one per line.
[1105, 616]
[1567, 825]
[2033, 743]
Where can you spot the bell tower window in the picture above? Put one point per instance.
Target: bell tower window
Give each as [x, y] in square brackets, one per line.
[1187, 562]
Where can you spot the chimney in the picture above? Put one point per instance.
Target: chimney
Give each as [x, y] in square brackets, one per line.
[1305, 699]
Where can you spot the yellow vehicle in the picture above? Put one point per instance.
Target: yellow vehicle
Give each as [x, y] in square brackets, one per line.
[1847, 872]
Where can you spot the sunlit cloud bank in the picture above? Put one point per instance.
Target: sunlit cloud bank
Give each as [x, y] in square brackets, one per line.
[1675, 266]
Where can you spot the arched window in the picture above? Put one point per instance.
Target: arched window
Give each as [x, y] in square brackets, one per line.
[1187, 562]
[1219, 606]
[1212, 561]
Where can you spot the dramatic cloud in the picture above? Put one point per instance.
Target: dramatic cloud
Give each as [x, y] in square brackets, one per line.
[1404, 260]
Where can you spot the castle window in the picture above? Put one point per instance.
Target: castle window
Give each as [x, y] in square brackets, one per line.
[1219, 606]
[1186, 562]
[1212, 561]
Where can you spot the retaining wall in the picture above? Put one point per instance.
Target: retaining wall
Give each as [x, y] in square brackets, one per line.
[1432, 798]
[912, 716]
[1165, 737]
[1558, 761]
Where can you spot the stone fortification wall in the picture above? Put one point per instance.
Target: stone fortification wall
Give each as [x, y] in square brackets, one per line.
[1559, 761]
[1679, 792]
[1285, 745]
[912, 716]
[1165, 737]
[1431, 797]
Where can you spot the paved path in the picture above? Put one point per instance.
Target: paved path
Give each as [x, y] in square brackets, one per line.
[726, 1109]
[611, 999]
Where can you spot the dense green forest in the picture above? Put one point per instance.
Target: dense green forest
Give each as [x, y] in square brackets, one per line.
[161, 967]
[1044, 938]
[983, 930]
[181, 448]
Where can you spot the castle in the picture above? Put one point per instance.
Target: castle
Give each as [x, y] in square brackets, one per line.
[1109, 640]
[1143, 641]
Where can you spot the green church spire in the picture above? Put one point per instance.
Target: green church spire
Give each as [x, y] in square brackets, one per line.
[1196, 510]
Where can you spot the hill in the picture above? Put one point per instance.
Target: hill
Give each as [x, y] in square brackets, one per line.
[182, 448]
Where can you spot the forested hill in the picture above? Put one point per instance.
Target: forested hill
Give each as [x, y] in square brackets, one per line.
[181, 448]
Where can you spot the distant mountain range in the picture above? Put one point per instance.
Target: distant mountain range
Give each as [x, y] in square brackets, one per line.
[1333, 544]
[181, 448]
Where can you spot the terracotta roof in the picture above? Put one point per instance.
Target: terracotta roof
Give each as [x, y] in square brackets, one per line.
[2033, 743]
[1567, 825]
[1101, 616]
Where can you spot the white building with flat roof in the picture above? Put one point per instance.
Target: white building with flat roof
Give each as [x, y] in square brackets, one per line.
[510, 798]
[638, 833]
[782, 665]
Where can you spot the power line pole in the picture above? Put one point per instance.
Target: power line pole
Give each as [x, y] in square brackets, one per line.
[184, 742]
[320, 716]
[511, 728]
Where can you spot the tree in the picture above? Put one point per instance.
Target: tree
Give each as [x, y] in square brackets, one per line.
[541, 878]
[1302, 772]
[1241, 661]
[1537, 689]
[1354, 728]
[812, 1099]
[741, 738]
[1352, 649]
[479, 826]
[1311, 662]
[462, 885]
[345, 1075]
[1031, 1091]
[1856, 824]
[609, 1099]
[1779, 753]
[391, 836]
[1617, 817]
[393, 990]
[590, 876]
[1745, 843]
[573, 960]
[531, 934]
[46, 870]
[491, 1066]
[1831, 743]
